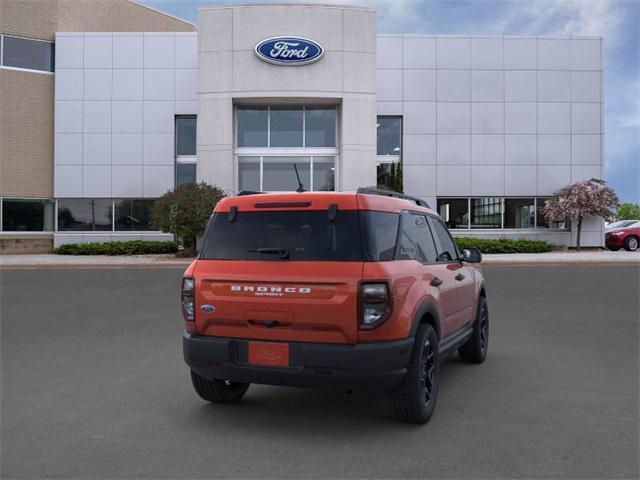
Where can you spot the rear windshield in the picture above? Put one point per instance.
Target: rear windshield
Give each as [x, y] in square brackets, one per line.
[276, 235]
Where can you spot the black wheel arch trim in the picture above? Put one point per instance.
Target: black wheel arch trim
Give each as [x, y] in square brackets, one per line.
[427, 307]
[482, 290]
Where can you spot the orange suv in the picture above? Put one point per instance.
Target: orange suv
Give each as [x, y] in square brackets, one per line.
[357, 291]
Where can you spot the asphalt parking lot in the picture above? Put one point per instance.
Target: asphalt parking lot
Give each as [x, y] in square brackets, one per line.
[94, 386]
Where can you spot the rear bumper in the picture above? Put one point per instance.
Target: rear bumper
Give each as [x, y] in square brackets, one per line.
[371, 367]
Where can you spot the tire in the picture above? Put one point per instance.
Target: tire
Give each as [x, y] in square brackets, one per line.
[415, 400]
[475, 349]
[218, 391]
[631, 243]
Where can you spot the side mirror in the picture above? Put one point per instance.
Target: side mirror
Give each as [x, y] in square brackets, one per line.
[471, 255]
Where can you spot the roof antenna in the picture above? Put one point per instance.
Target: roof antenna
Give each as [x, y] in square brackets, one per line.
[300, 188]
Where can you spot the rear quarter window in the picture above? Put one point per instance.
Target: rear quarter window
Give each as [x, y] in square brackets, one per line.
[380, 232]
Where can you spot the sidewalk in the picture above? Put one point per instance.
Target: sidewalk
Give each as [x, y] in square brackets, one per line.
[169, 261]
[92, 261]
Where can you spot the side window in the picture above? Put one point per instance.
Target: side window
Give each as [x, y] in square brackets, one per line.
[447, 251]
[416, 242]
[380, 230]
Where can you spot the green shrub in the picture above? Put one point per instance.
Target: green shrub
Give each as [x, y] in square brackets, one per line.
[504, 245]
[132, 247]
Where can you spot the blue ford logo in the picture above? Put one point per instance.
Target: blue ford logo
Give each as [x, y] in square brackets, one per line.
[208, 308]
[289, 50]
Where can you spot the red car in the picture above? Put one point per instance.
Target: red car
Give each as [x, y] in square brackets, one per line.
[627, 237]
[340, 290]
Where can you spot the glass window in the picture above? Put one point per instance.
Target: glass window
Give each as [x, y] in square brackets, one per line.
[303, 235]
[85, 214]
[25, 53]
[380, 231]
[389, 176]
[253, 124]
[186, 135]
[133, 215]
[324, 170]
[26, 215]
[279, 173]
[416, 242]
[185, 173]
[519, 213]
[285, 125]
[486, 212]
[249, 174]
[389, 131]
[542, 222]
[320, 127]
[454, 212]
[447, 250]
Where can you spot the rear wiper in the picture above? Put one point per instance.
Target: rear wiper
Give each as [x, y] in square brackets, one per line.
[283, 252]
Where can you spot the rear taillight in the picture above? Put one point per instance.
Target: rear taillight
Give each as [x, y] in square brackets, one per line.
[375, 304]
[186, 298]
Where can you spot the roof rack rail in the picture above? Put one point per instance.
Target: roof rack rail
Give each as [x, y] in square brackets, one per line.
[388, 193]
[249, 192]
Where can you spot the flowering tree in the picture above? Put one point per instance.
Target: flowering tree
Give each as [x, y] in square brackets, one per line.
[186, 210]
[586, 198]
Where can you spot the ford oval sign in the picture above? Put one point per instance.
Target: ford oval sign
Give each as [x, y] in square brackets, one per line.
[289, 51]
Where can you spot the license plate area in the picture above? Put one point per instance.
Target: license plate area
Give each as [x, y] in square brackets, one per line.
[269, 354]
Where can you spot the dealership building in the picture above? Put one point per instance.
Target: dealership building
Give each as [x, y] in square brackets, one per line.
[107, 105]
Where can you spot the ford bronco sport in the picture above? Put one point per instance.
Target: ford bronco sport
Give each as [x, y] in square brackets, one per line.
[354, 291]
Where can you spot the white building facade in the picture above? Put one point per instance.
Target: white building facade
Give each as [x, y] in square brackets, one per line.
[484, 128]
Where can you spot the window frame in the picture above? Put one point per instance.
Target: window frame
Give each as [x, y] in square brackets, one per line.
[183, 159]
[267, 151]
[389, 159]
[54, 223]
[261, 157]
[268, 146]
[113, 218]
[22, 69]
[536, 228]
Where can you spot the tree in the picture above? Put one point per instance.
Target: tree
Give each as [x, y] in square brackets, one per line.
[186, 210]
[628, 211]
[586, 198]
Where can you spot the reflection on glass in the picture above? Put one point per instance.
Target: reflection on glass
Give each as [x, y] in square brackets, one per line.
[249, 173]
[185, 173]
[389, 132]
[252, 126]
[320, 127]
[389, 176]
[186, 135]
[286, 126]
[454, 212]
[84, 214]
[486, 212]
[324, 170]
[519, 213]
[279, 174]
[133, 215]
[542, 222]
[27, 215]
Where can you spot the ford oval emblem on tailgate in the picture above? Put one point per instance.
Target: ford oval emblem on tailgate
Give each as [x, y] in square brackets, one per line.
[208, 308]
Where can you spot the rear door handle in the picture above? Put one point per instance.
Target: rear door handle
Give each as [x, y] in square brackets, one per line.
[459, 277]
[436, 282]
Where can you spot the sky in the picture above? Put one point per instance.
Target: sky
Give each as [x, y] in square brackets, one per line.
[617, 21]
